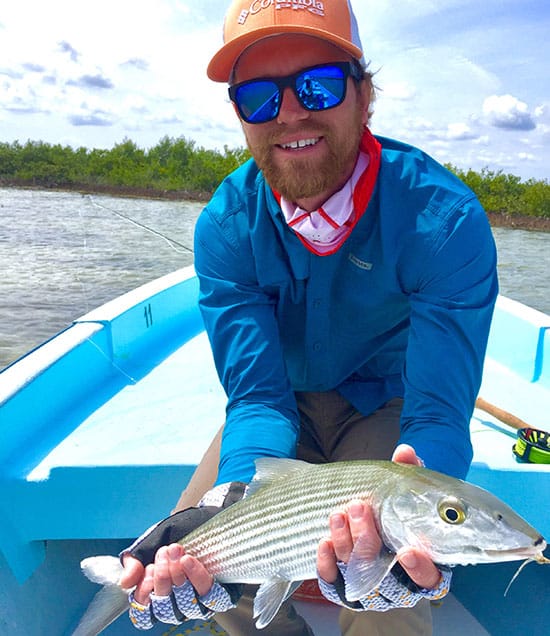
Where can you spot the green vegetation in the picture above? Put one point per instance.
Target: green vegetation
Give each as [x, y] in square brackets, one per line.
[179, 167]
[506, 194]
[172, 166]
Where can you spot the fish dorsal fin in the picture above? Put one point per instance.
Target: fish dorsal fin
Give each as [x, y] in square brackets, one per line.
[269, 598]
[268, 469]
[364, 575]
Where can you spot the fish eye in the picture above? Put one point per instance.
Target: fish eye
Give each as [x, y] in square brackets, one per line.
[452, 511]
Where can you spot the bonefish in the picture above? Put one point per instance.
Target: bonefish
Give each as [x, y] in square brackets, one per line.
[270, 538]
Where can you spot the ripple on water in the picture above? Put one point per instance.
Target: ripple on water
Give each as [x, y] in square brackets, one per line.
[62, 254]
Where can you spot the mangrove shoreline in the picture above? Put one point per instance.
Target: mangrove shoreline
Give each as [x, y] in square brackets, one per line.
[177, 169]
[496, 219]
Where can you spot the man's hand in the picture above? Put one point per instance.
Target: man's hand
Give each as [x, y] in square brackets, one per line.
[172, 567]
[171, 586]
[357, 523]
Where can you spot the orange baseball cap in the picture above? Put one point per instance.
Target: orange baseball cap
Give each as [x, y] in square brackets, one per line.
[248, 21]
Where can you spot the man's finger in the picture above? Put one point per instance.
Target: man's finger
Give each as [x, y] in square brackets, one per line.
[326, 561]
[145, 586]
[420, 568]
[340, 535]
[198, 575]
[163, 579]
[363, 530]
[405, 454]
[133, 572]
[177, 573]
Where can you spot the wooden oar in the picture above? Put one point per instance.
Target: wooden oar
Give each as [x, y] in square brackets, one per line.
[502, 415]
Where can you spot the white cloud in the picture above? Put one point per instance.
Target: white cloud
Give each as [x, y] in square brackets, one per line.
[507, 111]
[419, 124]
[141, 74]
[460, 132]
[399, 90]
[483, 140]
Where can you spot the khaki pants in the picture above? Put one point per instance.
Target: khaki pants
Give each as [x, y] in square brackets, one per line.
[416, 621]
[333, 430]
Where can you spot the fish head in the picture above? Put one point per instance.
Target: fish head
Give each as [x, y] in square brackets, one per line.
[456, 523]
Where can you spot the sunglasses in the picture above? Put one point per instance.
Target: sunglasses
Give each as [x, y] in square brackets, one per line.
[316, 88]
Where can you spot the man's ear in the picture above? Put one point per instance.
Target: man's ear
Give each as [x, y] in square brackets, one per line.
[365, 93]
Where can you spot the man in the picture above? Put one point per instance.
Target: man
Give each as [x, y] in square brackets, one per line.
[347, 287]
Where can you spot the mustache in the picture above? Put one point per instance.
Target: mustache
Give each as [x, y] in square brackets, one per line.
[282, 135]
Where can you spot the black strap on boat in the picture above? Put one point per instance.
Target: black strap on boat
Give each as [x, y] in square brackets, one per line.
[532, 446]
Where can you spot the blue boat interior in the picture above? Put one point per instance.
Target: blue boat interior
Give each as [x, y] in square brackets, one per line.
[103, 425]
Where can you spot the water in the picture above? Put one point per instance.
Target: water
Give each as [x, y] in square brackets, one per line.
[63, 254]
[524, 266]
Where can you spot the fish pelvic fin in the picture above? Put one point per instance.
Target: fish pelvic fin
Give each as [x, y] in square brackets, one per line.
[364, 574]
[270, 596]
[107, 605]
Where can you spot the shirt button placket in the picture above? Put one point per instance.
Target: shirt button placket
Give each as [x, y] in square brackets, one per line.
[317, 345]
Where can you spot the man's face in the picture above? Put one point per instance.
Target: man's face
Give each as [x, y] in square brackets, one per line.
[304, 155]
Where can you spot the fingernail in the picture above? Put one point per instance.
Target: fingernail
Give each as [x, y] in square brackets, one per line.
[325, 549]
[408, 560]
[173, 553]
[337, 521]
[161, 555]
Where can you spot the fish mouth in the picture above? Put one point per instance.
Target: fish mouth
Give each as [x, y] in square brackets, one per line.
[533, 551]
[514, 554]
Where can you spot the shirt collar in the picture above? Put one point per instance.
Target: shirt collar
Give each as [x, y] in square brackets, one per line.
[339, 207]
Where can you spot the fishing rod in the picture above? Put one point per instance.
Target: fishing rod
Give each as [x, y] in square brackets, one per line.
[532, 446]
[504, 416]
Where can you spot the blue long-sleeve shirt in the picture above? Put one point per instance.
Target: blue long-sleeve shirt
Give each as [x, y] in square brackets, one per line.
[403, 308]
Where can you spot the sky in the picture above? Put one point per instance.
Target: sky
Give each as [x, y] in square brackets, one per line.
[468, 81]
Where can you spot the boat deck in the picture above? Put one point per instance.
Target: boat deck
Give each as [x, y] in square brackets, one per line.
[137, 402]
[160, 427]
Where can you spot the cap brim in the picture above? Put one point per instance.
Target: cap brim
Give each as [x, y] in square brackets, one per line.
[220, 66]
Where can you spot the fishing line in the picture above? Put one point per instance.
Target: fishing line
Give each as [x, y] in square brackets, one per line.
[115, 366]
[171, 242]
[76, 274]
[527, 561]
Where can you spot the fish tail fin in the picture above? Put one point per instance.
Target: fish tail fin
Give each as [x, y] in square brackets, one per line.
[110, 602]
[107, 605]
[104, 570]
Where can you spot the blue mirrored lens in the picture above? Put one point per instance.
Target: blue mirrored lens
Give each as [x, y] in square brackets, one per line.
[317, 88]
[258, 101]
[321, 88]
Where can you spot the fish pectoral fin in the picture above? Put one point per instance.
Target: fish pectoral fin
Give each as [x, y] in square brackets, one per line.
[363, 574]
[270, 596]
